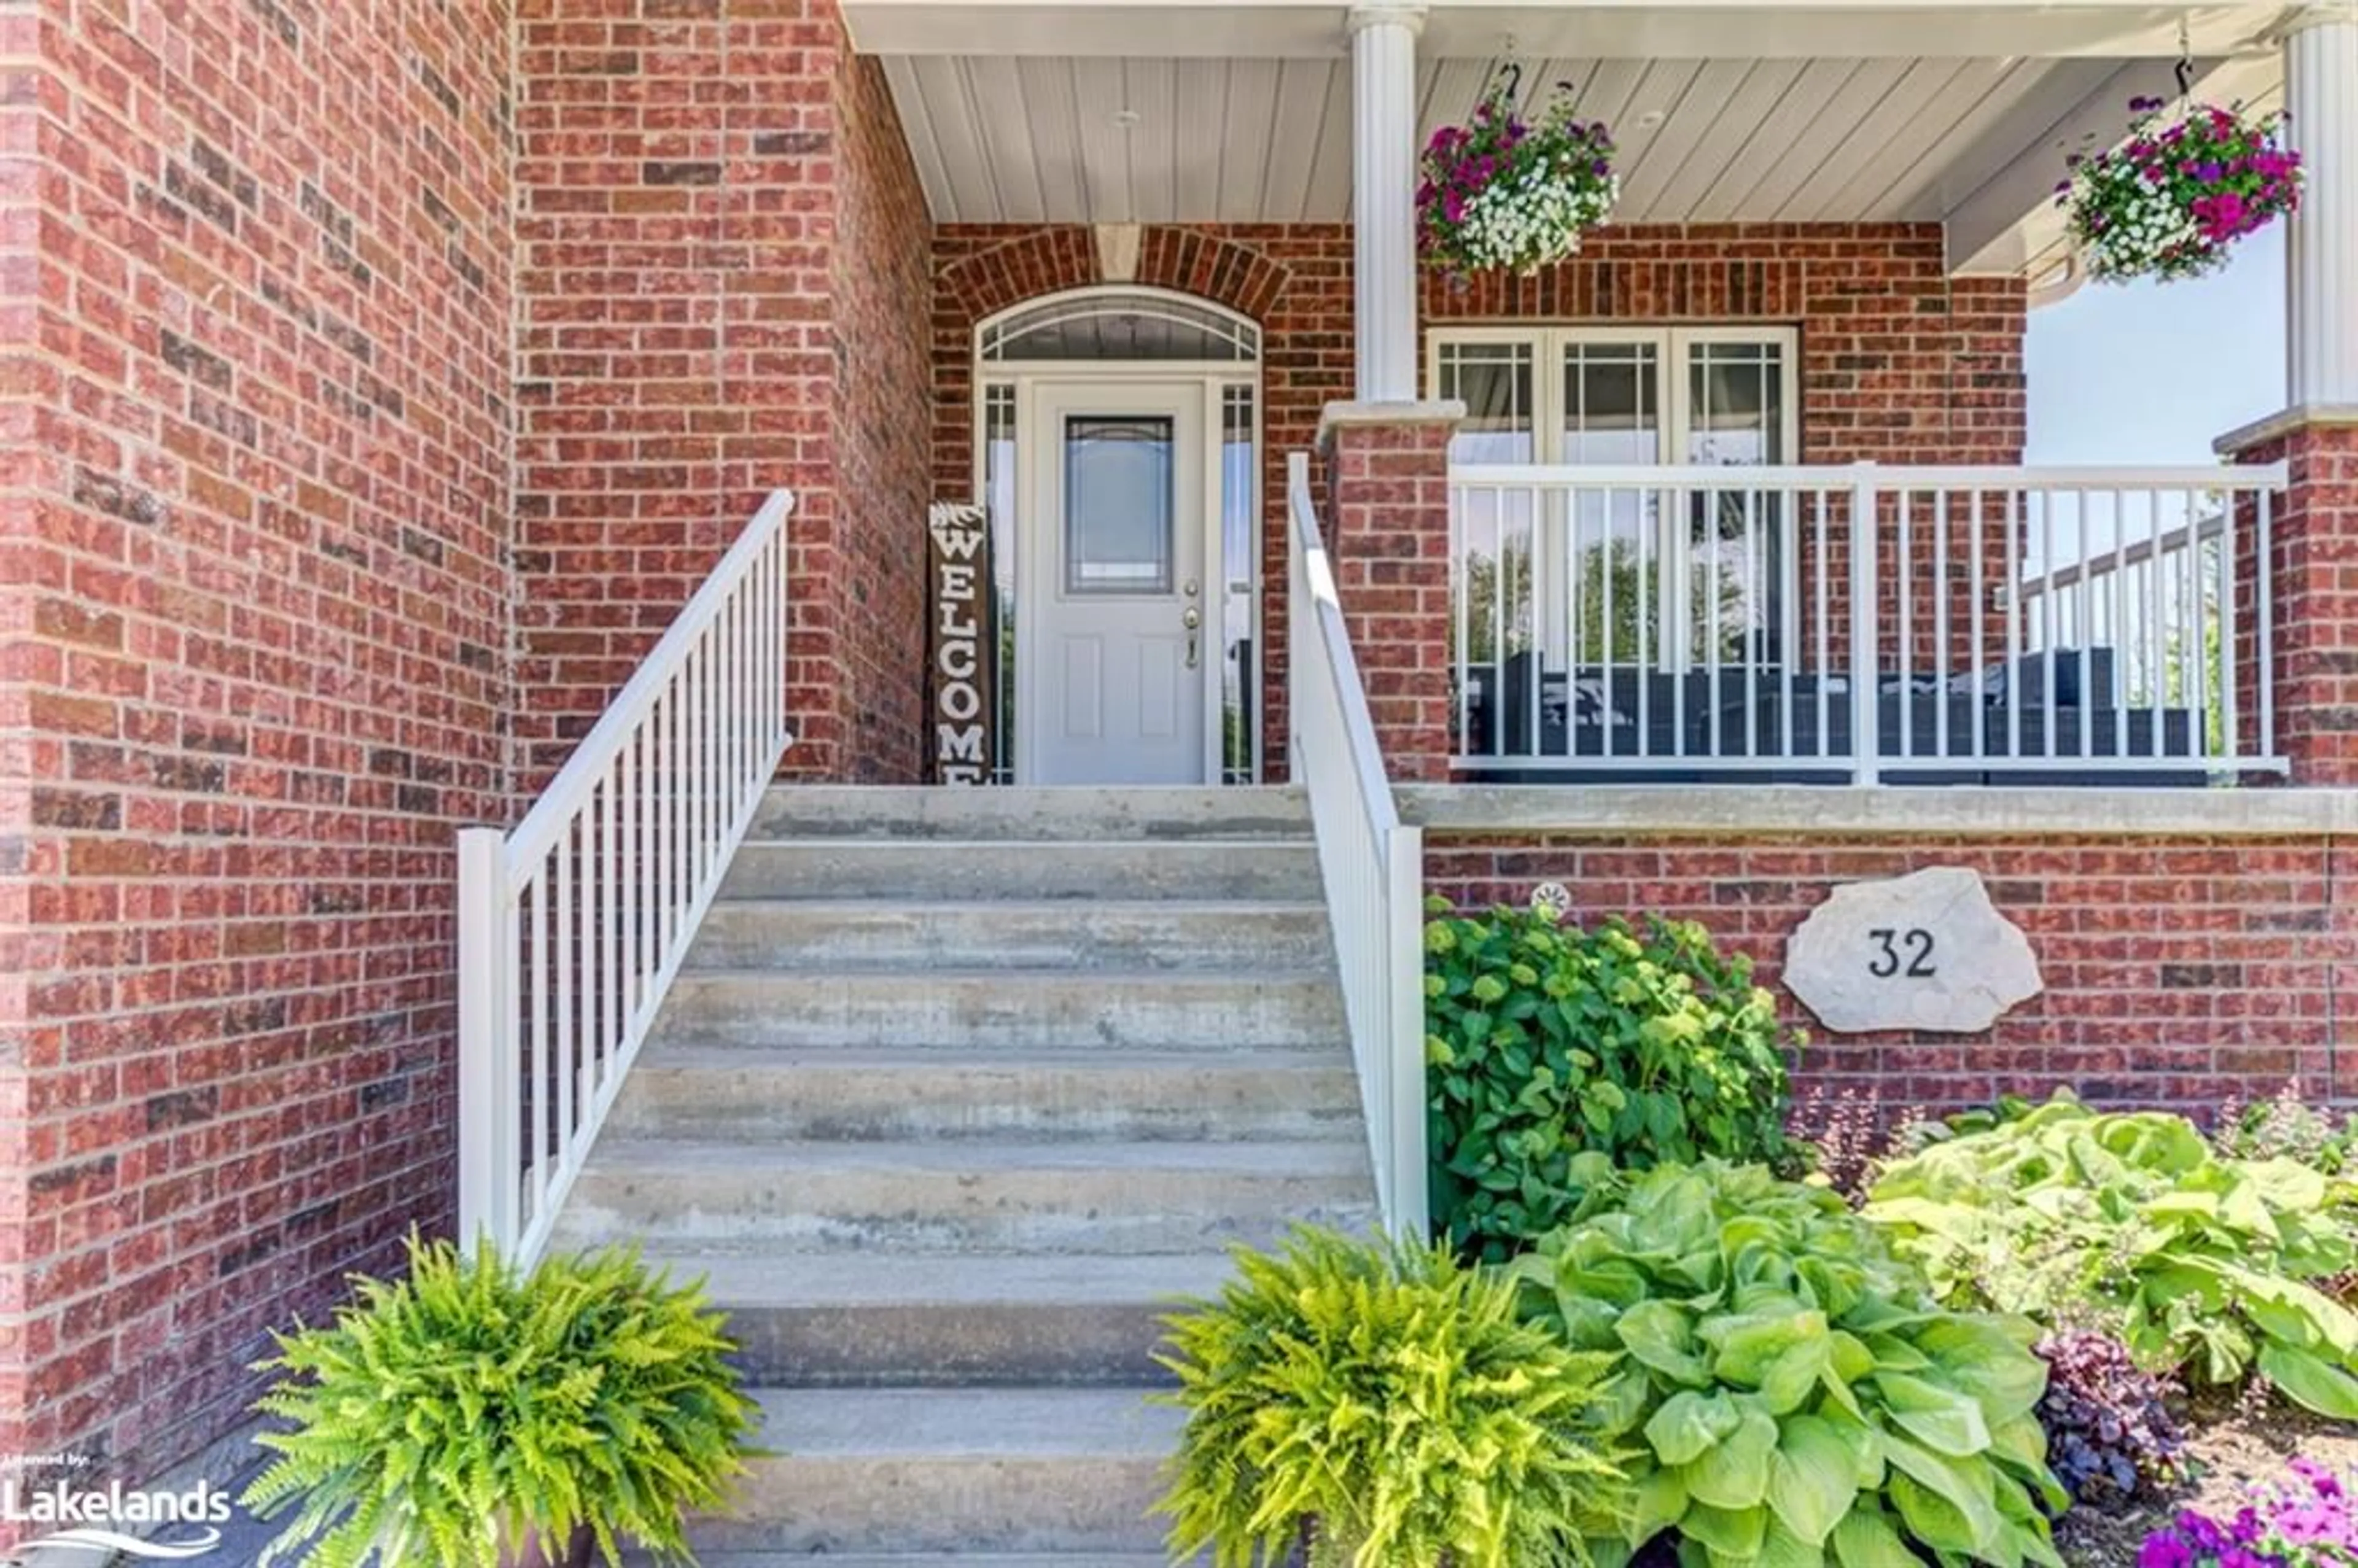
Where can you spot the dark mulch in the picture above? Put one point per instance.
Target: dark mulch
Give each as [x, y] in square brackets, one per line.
[2232, 1447]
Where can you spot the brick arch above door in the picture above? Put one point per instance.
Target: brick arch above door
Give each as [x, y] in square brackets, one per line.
[1031, 263]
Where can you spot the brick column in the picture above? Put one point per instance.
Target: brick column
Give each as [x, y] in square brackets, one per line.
[2312, 578]
[1386, 524]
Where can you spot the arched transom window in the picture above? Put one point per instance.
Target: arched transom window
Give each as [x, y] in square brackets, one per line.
[1143, 324]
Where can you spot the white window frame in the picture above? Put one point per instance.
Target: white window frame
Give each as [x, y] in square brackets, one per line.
[1673, 428]
[1669, 345]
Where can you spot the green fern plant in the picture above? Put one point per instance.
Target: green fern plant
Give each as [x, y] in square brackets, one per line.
[1389, 1399]
[451, 1417]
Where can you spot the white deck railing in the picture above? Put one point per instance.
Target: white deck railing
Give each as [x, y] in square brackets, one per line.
[571, 928]
[1863, 623]
[1372, 866]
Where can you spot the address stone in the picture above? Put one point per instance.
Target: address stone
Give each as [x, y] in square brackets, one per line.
[1924, 951]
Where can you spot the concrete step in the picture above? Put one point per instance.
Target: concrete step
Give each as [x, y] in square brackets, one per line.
[977, 1320]
[766, 1093]
[798, 811]
[963, 1197]
[1074, 1470]
[914, 871]
[986, 1007]
[1098, 934]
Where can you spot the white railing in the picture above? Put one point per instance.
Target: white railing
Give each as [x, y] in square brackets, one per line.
[1863, 623]
[572, 927]
[1372, 867]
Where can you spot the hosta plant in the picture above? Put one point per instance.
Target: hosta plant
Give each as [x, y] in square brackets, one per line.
[2305, 1521]
[2203, 1265]
[2172, 201]
[1795, 1395]
[1390, 1401]
[1545, 1041]
[2110, 1436]
[1501, 191]
[469, 1413]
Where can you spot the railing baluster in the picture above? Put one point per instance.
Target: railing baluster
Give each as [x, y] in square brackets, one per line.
[2048, 744]
[544, 1016]
[2191, 640]
[2223, 563]
[1982, 642]
[1866, 744]
[1904, 586]
[2264, 621]
[1941, 622]
[2015, 628]
[1649, 589]
[2116, 634]
[2158, 640]
[1751, 648]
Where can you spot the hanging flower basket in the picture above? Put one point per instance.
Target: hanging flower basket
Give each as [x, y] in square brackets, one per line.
[1502, 193]
[2173, 199]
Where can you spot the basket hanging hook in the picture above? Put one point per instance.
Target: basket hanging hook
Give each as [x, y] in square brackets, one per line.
[2185, 64]
[1510, 72]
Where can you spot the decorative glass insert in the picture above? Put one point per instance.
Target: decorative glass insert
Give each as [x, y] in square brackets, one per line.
[1737, 570]
[1121, 326]
[1240, 549]
[1494, 382]
[1612, 413]
[1120, 518]
[999, 498]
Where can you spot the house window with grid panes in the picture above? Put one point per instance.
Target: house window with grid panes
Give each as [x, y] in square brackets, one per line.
[1651, 580]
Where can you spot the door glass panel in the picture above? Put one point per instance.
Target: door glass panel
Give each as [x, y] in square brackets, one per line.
[1240, 549]
[1120, 514]
[1613, 414]
[1736, 565]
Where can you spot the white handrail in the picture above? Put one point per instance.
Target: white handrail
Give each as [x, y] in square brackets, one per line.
[1371, 865]
[572, 926]
[1888, 476]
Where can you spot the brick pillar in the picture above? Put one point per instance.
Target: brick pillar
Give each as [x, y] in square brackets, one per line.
[2312, 578]
[1386, 526]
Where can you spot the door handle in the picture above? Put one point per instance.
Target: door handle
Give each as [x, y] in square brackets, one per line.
[1192, 620]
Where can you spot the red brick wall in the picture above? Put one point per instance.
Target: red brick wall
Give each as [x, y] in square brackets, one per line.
[881, 312]
[2313, 580]
[257, 285]
[722, 289]
[1386, 523]
[1899, 362]
[2177, 971]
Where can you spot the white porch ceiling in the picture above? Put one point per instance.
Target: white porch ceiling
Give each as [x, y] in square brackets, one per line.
[1055, 140]
[1238, 111]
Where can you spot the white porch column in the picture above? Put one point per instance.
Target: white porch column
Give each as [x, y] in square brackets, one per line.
[2320, 49]
[1383, 198]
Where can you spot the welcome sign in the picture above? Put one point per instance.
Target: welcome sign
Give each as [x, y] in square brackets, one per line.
[963, 651]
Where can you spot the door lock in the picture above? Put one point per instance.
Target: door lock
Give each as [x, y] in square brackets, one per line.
[1192, 620]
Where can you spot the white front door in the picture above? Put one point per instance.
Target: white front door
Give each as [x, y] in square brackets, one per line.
[1113, 648]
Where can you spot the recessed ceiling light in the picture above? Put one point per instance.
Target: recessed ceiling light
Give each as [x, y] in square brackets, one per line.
[1650, 119]
[1126, 118]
